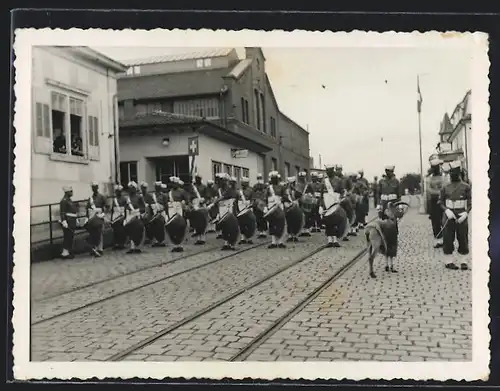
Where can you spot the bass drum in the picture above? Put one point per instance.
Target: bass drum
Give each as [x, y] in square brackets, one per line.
[336, 221]
[229, 227]
[199, 219]
[176, 228]
[276, 219]
[348, 207]
[295, 219]
[307, 203]
[213, 212]
[247, 222]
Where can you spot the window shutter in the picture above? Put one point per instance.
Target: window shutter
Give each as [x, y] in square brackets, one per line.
[93, 129]
[42, 121]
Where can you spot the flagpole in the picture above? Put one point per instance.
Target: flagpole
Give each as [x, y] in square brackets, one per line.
[422, 182]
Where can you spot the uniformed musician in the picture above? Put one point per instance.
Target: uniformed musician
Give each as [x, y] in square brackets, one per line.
[176, 227]
[120, 202]
[68, 212]
[246, 216]
[96, 207]
[305, 194]
[200, 186]
[293, 213]
[134, 223]
[365, 192]
[455, 200]
[228, 209]
[148, 202]
[317, 189]
[435, 183]
[210, 196]
[335, 217]
[388, 191]
[275, 196]
[259, 193]
[158, 216]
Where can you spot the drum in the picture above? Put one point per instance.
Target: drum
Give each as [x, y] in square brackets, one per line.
[229, 227]
[247, 222]
[307, 203]
[174, 208]
[176, 229]
[276, 219]
[260, 206]
[199, 219]
[131, 216]
[336, 221]
[295, 219]
[118, 215]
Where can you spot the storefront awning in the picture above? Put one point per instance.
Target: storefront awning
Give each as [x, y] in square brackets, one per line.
[164, 123]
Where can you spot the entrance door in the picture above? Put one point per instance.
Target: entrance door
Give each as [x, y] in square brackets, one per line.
[172, 166]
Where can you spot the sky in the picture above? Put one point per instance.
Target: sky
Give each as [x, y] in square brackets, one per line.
[359, 104]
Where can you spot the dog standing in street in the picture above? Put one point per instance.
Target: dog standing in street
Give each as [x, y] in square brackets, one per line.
[382, 236]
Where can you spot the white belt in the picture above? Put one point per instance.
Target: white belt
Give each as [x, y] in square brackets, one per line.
[71, 214]
[388, 197]
[460, 204]
[317, 194]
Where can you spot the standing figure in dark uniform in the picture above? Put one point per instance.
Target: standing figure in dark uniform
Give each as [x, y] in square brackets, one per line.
[435, 183]
[200, 186]
[210, 196]
[334, 215]
[246, 216]
[365, 193]
[305, 194]
[259, 193]
[293, 213]
[117, 218]
[388, 191]
[156, 224]
[359, 190]
[316, 188]
[68, 211]
[227, 221]
[134, 223]
[148, 201]
[96, 208]
[455, 200]
[176, 225]
[197, 213]
[344, 187]
[276, 196]
[375, 191]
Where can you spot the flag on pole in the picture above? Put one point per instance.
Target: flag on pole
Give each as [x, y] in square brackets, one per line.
[419, 99]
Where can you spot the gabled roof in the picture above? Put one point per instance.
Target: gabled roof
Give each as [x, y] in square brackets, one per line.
[446, 126]
[211, 53]
[171, 85]
[96, 57]
[240, 68]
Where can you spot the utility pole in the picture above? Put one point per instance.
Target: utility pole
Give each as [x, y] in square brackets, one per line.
[422, 182]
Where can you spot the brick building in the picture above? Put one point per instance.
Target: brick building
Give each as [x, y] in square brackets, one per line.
[225, 101]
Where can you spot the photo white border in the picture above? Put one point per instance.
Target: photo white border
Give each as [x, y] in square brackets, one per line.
[477, 369]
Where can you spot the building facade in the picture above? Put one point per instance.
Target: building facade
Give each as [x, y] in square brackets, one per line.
[243, 131]
[74, 122]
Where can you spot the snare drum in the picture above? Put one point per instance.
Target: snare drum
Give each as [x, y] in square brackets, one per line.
[174, 208]
[131, 216]
[307, 203]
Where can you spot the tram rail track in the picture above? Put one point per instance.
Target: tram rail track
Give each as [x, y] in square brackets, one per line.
[152, 282]
[275, 326]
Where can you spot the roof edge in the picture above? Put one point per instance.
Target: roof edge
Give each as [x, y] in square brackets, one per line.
[94, 55]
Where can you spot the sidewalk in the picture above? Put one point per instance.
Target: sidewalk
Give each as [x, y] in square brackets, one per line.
[423, 312]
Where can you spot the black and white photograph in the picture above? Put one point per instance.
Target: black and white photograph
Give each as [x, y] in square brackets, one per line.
[307, 205]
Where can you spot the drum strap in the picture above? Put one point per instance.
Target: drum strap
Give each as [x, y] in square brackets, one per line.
[271, 191]
[242, 196]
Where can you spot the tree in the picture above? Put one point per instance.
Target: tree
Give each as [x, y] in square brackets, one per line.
[410, 181]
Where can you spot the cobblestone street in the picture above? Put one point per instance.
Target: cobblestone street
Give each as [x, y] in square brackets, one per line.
[207, 304]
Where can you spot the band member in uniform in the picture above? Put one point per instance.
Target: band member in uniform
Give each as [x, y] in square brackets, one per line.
[359, 191]
[227, 221]
[305, 194]
[148, 201]
[96, 207]
[134, 223]
[275, 215]
[68, 211]
[316, 187]
[259, 194]
[156, 224]
[388, 191]
[220, 177]
[455, 200]
[293, 213]
[375, 191]
[176, 226]
[197, 213]
[200, 186]
[435, 183]
[334, 215]
[120, 202]
[246, 217]
[210, 196]
[365, 193]
[344, 187]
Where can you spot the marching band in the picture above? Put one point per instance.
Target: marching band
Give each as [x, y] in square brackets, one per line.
[283, 210]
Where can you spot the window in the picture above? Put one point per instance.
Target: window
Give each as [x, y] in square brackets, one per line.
[257, 108]
[42, 125]
[247, 111]
[243, 110]
[263, 111]
[274, 164]
[297, 170]
[273, 127]
[287, 170]
[137, 70]
[228, 169]
[208, 108]
[130, 71]
[67, 130]
[203, 63]
[148, 107]
[216, 168]
[207, 62]
[246, 172]
[199, 63]
[128, 173]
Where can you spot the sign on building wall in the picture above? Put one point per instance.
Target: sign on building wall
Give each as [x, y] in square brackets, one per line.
[193, 146]
[239, 153]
